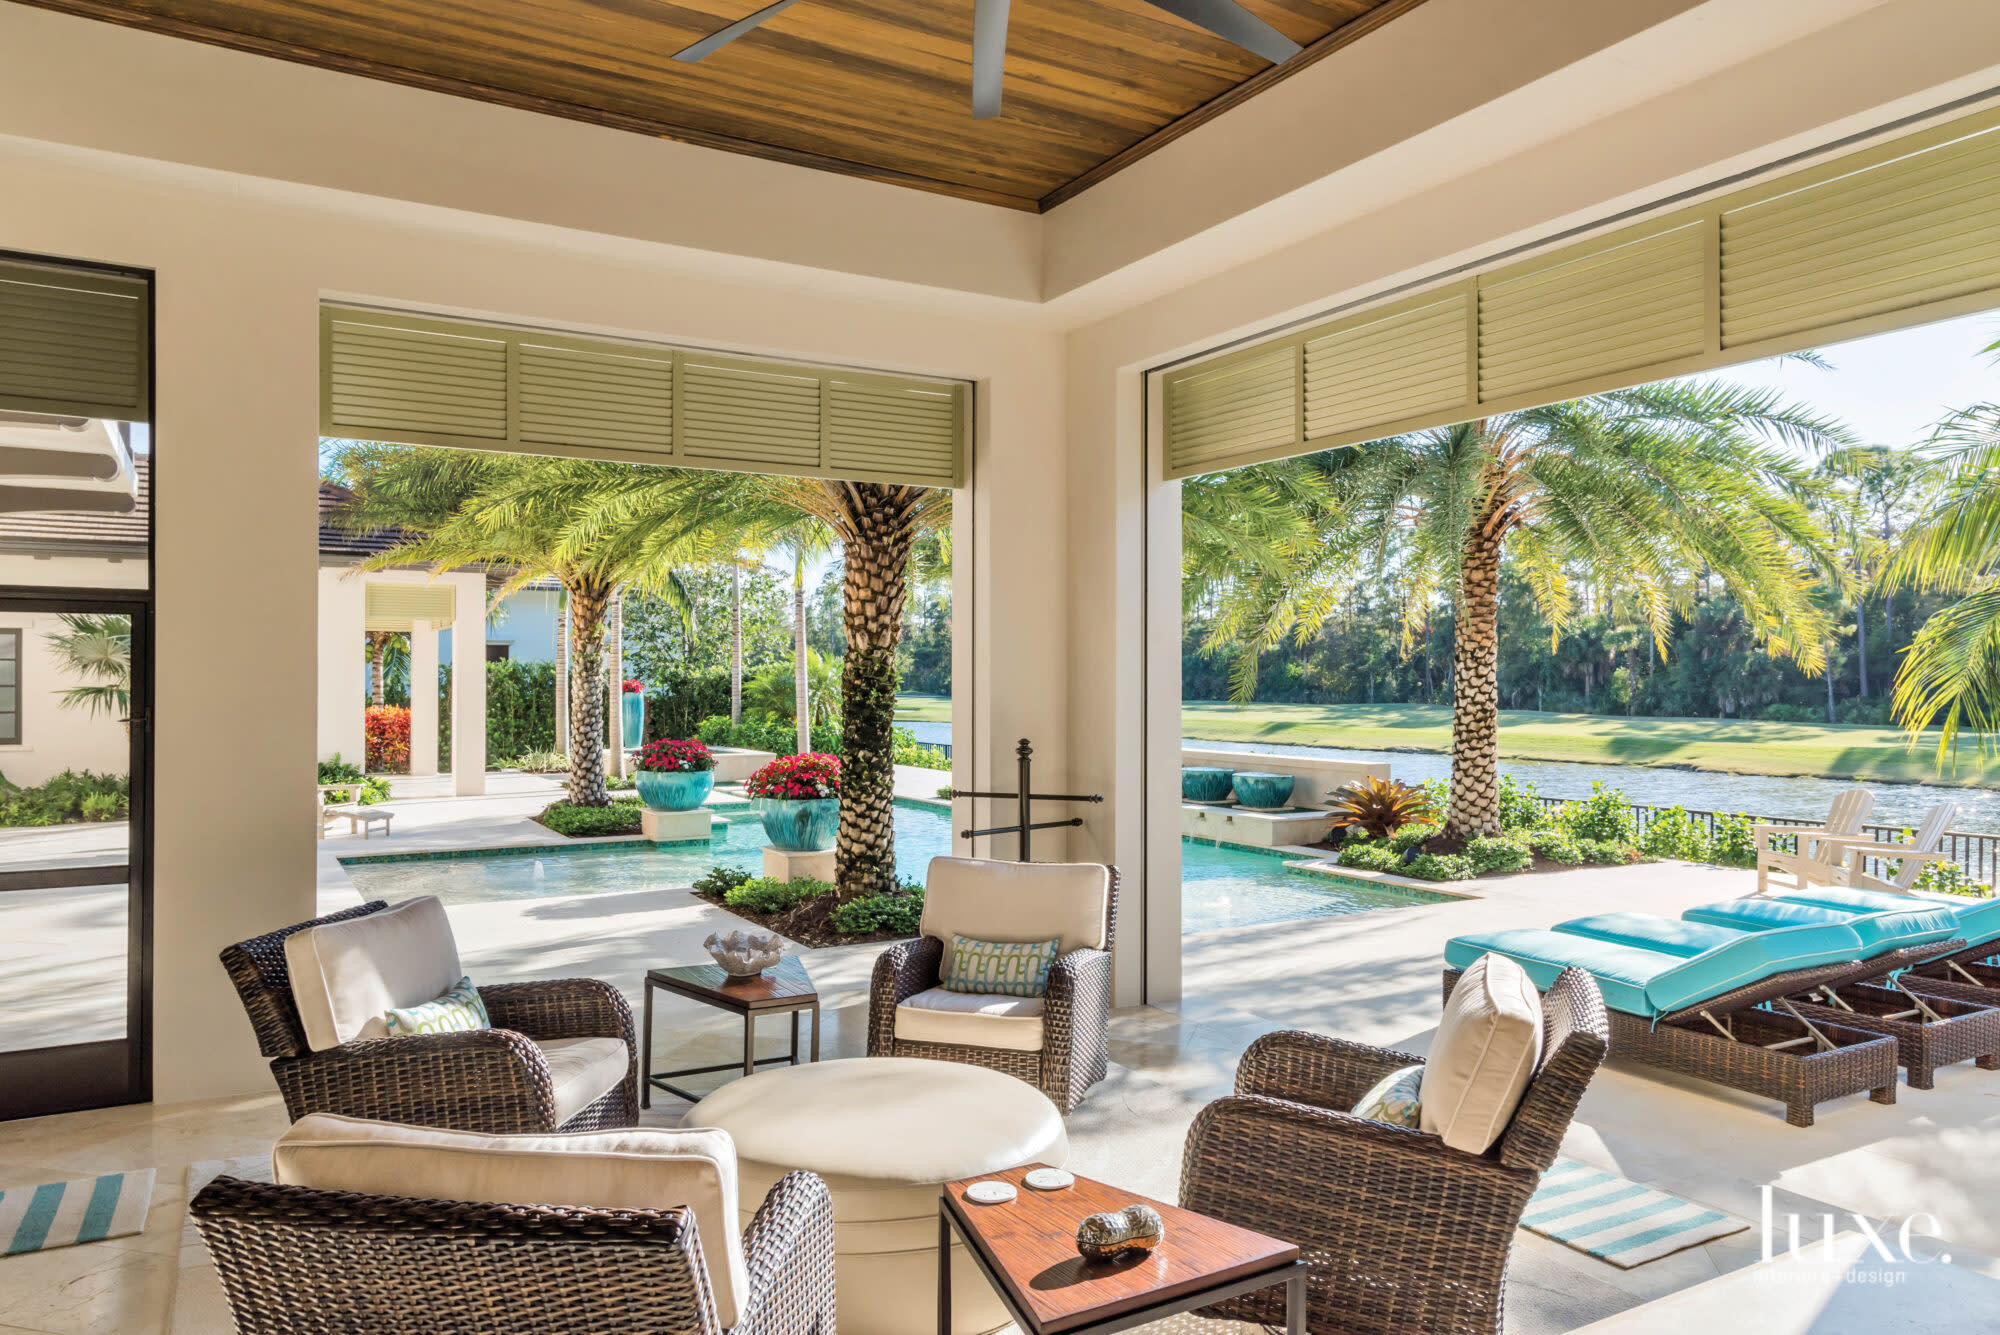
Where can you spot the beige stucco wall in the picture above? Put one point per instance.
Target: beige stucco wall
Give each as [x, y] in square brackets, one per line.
[257, 189]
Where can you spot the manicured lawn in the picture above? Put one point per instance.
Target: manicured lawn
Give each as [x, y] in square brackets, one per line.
[1712, 744]
[924, 708]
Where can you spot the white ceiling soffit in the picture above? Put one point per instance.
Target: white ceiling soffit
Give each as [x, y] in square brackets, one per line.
[65, 463]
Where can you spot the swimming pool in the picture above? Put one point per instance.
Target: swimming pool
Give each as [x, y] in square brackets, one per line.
[1221, 886]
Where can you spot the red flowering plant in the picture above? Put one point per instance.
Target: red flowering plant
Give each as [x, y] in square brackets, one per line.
[802, 777]
[388, 737]
[634, 686]
[665, 755]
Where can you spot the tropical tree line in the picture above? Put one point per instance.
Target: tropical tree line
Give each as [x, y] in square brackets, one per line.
[1688, 547]
[606, 532]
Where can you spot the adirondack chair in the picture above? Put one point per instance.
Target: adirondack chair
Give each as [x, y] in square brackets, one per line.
[1851, 871]
[1818, 851]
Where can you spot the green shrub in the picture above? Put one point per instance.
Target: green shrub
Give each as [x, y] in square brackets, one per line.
[908, 751]
[719, 881]
[1557, 846]
[1496, 854]
[1951, 878]
[1439, 867]
[1784, 713]
[765, 894]
[899, 913]
[1733, 842]
[1605, 815]
[1673, 834]
[336, 770]
[583, 822]
[1371, 855]
[1604, 852]
[761, 735]
[1410, 836]
[1521, 806]
[520, 706]
[66, 798]
[620, 783]
[946, 791]
[679, 701]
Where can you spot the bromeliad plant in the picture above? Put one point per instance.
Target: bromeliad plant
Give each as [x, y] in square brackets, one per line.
[800, 778]
[666, 755]
[1377, 808]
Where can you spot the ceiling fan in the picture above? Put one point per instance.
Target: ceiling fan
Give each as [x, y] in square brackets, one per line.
[1225, 18]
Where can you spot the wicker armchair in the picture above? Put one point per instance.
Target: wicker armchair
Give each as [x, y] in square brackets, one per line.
[295, 1261]
[1405, 1236]
[1076, 1013]
[494, 1079]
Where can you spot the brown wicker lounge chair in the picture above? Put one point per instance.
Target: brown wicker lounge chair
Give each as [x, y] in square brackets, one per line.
[293, 1260]
[495, 1079]
[1404, 1235]
[1075, 1015]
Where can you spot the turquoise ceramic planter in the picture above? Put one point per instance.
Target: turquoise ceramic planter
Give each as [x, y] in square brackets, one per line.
[1204, 783]
[674, 790]
[800, 825]
[632, 723]
[1263, 792]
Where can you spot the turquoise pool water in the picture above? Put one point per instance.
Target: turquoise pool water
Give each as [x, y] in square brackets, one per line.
[1221, 886]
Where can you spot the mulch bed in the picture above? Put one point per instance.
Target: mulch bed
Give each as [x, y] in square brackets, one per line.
[810, 924]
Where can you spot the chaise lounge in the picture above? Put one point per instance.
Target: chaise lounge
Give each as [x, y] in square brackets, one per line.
[1713, 996]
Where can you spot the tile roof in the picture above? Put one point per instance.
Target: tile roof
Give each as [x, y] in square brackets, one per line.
[81, 531]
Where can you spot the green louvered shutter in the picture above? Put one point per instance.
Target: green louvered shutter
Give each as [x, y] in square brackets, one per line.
[583, 397]
[1394, 367]
[881, 429]
[419, 382]
[74, 342]
[1234, 410]
[736, 413]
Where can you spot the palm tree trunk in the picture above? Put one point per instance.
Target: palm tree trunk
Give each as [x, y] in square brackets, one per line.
[1829, 681]
[562, 673]
[801, 687]
[1861, 641]
[735, 643]
[378, 667]
[1475, 714]
[880, 531]
[589, 603]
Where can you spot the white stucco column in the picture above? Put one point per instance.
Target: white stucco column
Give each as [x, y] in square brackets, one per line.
[343, 667]
[468, 686]
[423, 698]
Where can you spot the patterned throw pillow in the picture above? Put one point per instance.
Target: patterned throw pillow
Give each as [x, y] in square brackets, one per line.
[1001, 968]
[459, 1009]
[1393, 1098]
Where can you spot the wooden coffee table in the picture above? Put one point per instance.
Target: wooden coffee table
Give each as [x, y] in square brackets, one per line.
[783, 988]
[1027, 1250]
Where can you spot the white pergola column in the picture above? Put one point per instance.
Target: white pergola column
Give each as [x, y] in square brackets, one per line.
[343, 666]
[423, 698]
[468, 686]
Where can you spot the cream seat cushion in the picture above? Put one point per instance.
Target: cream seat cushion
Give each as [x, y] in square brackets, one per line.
[632, 1170]
[971, 1019]
[1015, 901]
[583, 1070]
[346, 976]
[1486, 1050]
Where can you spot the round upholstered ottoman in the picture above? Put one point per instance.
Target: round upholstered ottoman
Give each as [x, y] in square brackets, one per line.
[884, 1132]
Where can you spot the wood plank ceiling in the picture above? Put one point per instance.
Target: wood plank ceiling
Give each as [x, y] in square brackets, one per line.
[871, 88]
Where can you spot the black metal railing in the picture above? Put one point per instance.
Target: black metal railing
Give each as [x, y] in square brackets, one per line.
[1977, 853]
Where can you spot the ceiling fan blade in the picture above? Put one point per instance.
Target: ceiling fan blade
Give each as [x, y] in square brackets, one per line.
[1233, 23]
[715, 41]
[989, 56]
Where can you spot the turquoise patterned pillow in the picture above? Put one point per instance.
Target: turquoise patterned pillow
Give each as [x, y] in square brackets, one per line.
[457, 1010]
[1393, 1098]
[1000, 968]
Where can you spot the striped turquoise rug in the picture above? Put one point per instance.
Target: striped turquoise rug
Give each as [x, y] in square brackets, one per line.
[61, 1214]
[1618, 1221]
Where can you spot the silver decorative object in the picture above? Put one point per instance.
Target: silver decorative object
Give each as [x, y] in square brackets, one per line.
[1136, 1228]
[744, 954]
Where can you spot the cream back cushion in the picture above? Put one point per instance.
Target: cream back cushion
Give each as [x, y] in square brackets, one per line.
[347, 976]
[1486, 1050]
[628, 1170]
[1016, 901]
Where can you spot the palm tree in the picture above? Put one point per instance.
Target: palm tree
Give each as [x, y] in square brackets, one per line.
[804, 542]
[877, 524]
[516, 513]
[98, 647]
[1951, 673]
[380, 642]
[1637, 489]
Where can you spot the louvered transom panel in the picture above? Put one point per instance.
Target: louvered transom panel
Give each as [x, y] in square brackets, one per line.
[1920, 228]
[1232, 412]
[416, 385]
[880, 430]
[748, 415]
[73, 343]
[1630, 305]
[1388, 370]
[590, 398]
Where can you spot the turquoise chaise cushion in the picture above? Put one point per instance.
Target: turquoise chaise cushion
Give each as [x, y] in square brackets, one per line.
[1622, 972]
[1669, 936]
[1978, 919]
[1917, 923]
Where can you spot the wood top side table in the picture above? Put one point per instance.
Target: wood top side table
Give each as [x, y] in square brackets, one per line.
[1026, 1249]
[784, 988]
